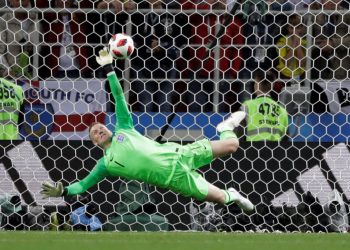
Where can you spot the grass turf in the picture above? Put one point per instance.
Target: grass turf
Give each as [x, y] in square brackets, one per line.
[170, 240]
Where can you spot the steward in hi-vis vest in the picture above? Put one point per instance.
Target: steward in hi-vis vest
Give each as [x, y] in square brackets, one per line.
[266, 119]
[11, 100]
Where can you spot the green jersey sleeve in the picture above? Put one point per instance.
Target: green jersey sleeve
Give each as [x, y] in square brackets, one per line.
[96, 175]
[124, 119]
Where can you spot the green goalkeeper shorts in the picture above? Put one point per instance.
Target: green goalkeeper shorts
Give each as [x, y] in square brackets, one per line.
[186, 180]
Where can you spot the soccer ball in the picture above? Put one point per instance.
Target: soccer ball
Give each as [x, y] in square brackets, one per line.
[121, 46]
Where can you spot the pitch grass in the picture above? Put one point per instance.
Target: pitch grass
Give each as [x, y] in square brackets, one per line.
[170, 240]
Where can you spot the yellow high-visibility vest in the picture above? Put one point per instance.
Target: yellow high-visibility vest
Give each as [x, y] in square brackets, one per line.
[11, 99]
[266, 119]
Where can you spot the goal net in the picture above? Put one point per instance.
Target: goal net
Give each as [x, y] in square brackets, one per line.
[178, 90]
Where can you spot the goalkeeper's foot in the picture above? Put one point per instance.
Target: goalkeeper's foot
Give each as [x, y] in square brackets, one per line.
[242, 202]
[232, 122]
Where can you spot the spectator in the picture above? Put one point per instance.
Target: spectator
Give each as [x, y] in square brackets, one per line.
[11, 109]
[277, 20]
[300, 5]
[18, 37]
[280, 5]
[291, 48]
[114, 17]
[266, 119]
[65, 51]
[203, 69]
[260, 28]
[331, 56]
[117, 5]
[158, 41]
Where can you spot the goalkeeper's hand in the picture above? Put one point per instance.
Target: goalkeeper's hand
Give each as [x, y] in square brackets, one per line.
[104, 57]
[49, 190]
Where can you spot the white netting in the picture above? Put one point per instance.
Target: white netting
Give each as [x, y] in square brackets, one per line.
[177, 93]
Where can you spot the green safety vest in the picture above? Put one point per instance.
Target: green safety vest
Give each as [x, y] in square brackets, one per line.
[266, 119]
[11, 99]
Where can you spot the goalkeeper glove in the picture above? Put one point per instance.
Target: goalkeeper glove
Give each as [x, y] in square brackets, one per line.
[49, 190]
[104, 57]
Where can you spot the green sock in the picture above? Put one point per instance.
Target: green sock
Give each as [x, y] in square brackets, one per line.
[227, 135]
[229, 196]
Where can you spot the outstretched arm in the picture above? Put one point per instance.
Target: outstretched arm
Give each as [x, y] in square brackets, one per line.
[123, 115]
[97, 174]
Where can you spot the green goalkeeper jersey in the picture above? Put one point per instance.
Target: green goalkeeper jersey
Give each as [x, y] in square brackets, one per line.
[131, 155]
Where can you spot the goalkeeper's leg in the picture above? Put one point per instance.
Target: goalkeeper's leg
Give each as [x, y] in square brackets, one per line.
[228, 143]
[228, 196]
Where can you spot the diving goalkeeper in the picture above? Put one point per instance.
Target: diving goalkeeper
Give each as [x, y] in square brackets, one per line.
[130, 155]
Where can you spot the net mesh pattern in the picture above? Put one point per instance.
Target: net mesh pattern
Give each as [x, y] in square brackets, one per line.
[178, 90]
